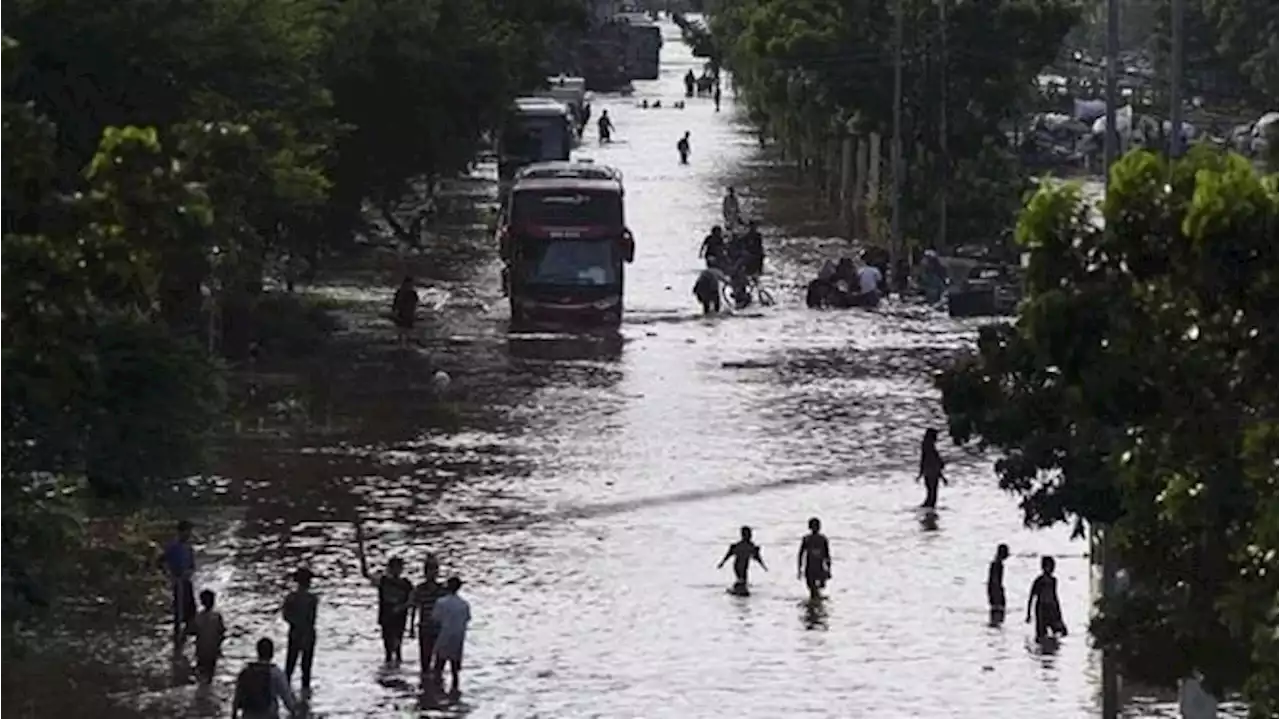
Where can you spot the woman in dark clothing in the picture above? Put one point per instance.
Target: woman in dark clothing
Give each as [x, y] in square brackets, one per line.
[930, 468]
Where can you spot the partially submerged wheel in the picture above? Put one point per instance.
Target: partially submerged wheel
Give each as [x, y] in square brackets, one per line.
[766, 298]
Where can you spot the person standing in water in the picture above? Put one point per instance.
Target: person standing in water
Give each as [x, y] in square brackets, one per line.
[452, 613]
[683, 148]
[604, 127]
[716, 97]
[299, 612]
[404, 309]
[394, 595]
[179, 562]
[930, 468]
[210, 631]
[1044, 599]
[424, 601]
[730, 210]
[261, 687]
[742, 551]
[813, 562]
[995, 585]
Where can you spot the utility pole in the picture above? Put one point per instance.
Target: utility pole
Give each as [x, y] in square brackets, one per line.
[1110, 144]
[1110, 679]
[942, 131]
[1175, 83]
[895, 240]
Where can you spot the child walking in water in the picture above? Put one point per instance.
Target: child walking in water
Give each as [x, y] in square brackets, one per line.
[742, 551]
[210, 631]
[1044, 598]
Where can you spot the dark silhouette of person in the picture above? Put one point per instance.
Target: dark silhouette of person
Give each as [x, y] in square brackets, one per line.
[689, 82]
[813, 561]
[930, 468]
[683, 148]
[1044, 599]
[713, 248]
[404, 309]
[742, 551]
[995, 585]
[299, 612]
[716, 96]
[604, 126]
[707, 290]
[753, 249]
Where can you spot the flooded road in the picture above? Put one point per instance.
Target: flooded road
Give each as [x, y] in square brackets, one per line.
[584, 490]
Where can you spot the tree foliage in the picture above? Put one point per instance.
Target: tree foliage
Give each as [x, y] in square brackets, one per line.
[807, 67]
[1137, 389]
[161, 158]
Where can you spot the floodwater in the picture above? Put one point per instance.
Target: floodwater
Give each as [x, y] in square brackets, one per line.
[585, 488]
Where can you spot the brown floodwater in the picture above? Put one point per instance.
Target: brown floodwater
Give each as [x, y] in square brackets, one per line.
[584, 488]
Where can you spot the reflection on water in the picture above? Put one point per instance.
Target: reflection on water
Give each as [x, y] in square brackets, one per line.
[582, 486]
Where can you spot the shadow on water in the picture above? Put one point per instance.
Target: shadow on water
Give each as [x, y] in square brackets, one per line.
[813, 614]
[603, 346]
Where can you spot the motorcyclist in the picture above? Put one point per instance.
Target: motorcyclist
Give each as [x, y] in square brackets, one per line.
[682, 147]
[605, 127]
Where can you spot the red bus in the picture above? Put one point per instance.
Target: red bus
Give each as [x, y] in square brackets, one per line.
[564, 244]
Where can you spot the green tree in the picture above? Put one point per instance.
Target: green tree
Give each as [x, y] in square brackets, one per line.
[1137, 390]
[807, 66]
[97, 388]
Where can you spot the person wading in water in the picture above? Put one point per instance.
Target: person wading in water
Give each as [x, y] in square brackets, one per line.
[261, 687]
[1044, 599]
[452, 613]
[930, 468]
[394, 595]
[179, 562]
[742, 551]
[404, 310]
[424, 601]
[813, 562]
[683, 148]
[995, 585]
[299, 612]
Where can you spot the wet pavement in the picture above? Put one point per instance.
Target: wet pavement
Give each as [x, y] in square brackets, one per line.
[584, 489]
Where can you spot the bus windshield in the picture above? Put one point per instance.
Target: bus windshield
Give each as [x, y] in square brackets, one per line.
[570, 263]
[567, 208]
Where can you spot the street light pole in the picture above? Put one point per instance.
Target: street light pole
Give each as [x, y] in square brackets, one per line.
[895, 241]
[1110, 142]
[1110, 679]
[942, 131]
[1175, 83]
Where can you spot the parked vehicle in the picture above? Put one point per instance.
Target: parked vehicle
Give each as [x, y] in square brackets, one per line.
[988, 290]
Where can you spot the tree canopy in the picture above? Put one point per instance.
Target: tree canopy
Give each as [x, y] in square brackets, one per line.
[162, 157]
[1137, 390]
[809, 68]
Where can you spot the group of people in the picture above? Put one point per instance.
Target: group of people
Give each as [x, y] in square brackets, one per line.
[709, 83]
[432, 611]
[734, 254]
[813, 560]
[844, 284]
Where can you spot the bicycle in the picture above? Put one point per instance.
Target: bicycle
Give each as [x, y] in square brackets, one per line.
[754, 291]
